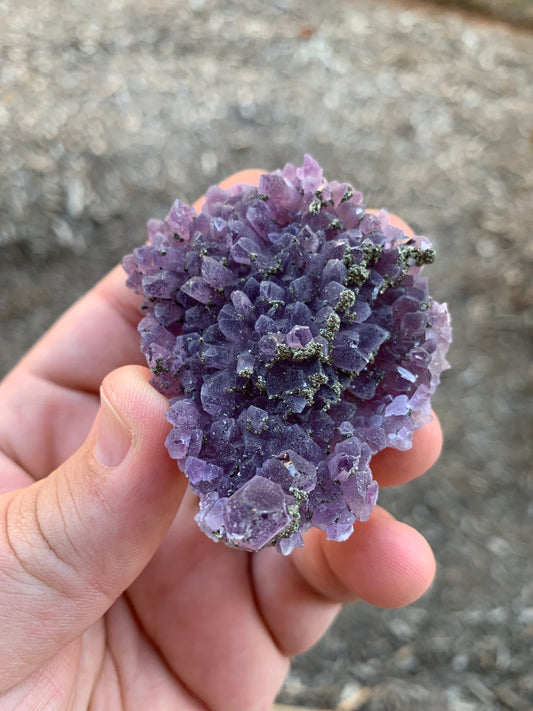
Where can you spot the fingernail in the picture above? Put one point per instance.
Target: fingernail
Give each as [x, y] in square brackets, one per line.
[114, 436]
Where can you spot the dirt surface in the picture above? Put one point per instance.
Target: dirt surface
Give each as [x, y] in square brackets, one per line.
[110, 110]
[516, 13]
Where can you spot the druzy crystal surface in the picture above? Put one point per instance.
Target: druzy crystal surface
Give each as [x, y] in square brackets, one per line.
[295, 338]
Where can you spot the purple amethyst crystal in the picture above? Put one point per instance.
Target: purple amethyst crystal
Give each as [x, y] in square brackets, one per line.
[295, 338]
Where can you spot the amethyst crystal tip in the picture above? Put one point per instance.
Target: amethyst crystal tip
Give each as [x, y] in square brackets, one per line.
[295, 338]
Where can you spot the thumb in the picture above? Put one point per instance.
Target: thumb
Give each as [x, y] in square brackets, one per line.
[71, 543]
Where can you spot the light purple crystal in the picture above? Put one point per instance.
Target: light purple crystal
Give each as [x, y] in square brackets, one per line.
[295, 338]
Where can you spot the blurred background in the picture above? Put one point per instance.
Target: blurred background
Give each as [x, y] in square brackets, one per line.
[110, 110]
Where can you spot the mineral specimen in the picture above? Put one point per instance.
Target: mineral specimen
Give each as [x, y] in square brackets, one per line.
[295, 338]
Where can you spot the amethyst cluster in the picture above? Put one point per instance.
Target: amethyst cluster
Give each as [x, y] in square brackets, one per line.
[295, 338]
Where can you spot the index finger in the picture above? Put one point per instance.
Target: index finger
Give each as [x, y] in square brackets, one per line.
[95, 336]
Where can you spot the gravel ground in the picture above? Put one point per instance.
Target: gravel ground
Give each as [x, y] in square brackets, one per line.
[109, 110]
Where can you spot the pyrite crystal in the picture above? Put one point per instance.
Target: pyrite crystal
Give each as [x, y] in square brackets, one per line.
[295, 338]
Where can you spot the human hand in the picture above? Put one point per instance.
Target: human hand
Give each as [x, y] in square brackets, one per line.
[110, 596]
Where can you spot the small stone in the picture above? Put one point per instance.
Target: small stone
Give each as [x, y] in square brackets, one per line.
[295, 338]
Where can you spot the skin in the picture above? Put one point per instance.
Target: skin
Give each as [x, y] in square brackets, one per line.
[110, 596]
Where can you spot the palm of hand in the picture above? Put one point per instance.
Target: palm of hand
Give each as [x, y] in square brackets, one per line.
[197, 626]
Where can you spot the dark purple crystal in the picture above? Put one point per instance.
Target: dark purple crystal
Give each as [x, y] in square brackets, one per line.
[295, 338]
